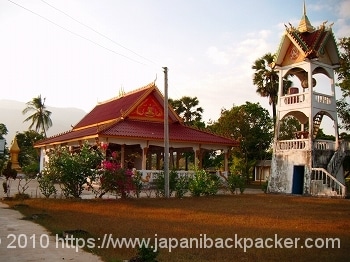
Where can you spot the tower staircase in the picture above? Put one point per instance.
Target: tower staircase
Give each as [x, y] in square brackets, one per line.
[337, 159]
[324, 182]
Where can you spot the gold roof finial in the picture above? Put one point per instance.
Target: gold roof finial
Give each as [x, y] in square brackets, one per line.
[305, 25]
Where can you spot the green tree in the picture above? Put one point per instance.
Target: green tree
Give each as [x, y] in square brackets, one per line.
[343, 107]
[187, 108]
[288, 126]
[28, 157]
[3, 130]
[212, 159]
[41, 116]
[266, 80]
[321, 135]
[4, 154]
[344, 70]
[252, 126]
[343, 110]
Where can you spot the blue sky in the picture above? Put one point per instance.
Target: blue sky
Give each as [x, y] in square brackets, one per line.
[209, 47]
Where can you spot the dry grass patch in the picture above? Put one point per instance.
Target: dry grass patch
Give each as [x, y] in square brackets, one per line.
[248, 216]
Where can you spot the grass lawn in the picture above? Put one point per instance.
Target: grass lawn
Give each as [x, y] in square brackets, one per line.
[224, 216]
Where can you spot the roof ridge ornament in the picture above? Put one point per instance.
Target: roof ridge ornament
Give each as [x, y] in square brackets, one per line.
[305, 25]
[122, 93]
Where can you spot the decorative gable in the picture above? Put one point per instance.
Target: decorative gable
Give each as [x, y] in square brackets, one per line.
[293, 55]
[307, 42]
[113, 109]
[149, 109]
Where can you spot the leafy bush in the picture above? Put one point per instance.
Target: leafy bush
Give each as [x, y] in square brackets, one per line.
[160, 183]
[72, 168]
[231, 183]
[145, 254]
[137, 183]
[21, 196]
[181, 186]
[47, 185]
[235, 181]
[203, 183]
[9, 173]
[264, 186]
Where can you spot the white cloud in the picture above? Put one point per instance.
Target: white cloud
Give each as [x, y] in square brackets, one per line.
[344, 9]
[217, 57]
[343, 29]
[342, 25]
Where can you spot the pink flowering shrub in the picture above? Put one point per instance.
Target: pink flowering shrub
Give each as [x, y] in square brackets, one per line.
[113, 178]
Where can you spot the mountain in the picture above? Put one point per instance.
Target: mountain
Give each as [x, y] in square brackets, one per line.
[11, 116]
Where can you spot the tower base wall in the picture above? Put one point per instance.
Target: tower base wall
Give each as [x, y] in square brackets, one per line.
[290, 168]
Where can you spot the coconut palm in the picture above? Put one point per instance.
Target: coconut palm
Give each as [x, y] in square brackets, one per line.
[40, 117]
[266, 79]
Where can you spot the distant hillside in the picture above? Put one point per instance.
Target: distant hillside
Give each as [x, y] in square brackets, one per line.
[62, 118]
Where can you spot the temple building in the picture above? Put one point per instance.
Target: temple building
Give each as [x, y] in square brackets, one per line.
[133, 125]
[303, 164]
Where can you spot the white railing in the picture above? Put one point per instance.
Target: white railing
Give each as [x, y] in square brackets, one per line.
[292, 99]
[295, 99]
[324, 184]
[322, 98]
[151, 175]
[324, 145]
[295, 144]
[322, 101]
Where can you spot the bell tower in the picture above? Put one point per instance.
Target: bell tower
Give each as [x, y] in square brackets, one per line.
[301, 164]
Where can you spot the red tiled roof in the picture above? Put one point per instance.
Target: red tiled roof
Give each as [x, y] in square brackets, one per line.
[313, 40]
[143, 130]
[154, 130]
[112, 109]
[68, 136]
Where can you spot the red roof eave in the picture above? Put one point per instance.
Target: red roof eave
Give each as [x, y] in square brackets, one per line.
[69, 136]
[155, 131]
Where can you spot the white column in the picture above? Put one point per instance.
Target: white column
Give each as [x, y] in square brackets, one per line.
[144, 148]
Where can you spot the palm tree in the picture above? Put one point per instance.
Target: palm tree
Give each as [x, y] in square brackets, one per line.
[187, 108]
[266, 79]
[41, 116]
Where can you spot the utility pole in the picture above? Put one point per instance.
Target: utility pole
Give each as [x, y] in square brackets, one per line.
[166, 134]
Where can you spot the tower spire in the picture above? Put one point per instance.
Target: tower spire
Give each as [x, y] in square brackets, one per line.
[305, 25]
